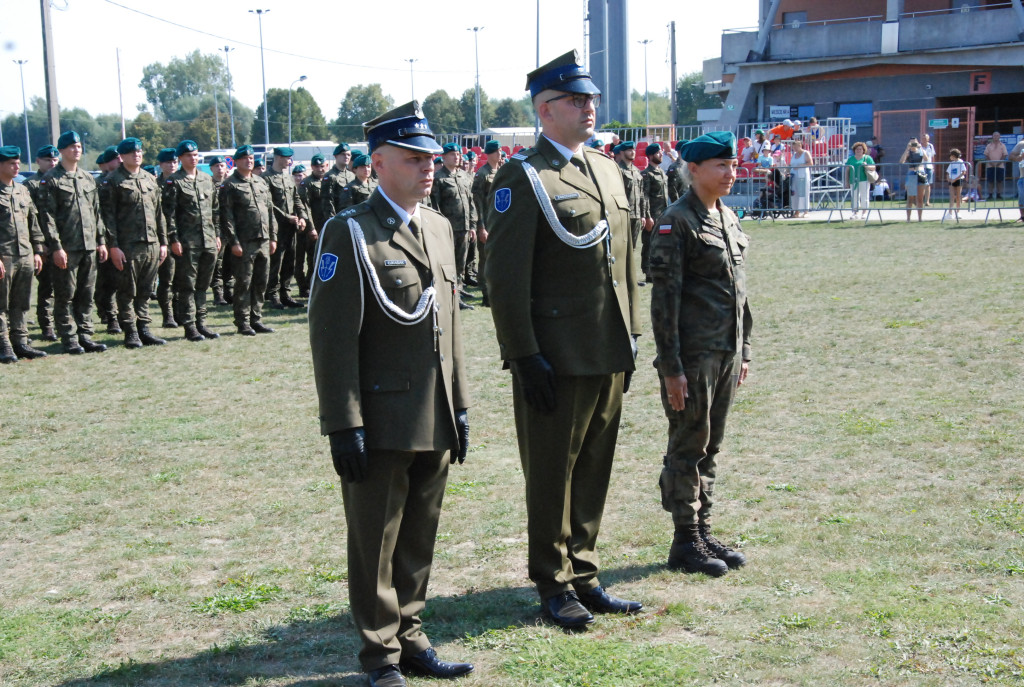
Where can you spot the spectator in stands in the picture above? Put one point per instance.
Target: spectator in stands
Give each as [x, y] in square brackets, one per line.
[747, 154]
[784, 130]
[916, 177]
[928, 150]
[995, 171]
[800, 185]
[778, 149]
[813, 131]
[759, 143]
[956, 172]
[858, 165]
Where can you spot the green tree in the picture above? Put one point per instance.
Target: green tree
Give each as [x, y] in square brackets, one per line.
[442, 112]
[154, 135]
[308, 123]
[467, 104]
[509, 112]
[360, 104]
[690, 97]
[661, 108]
[194, 75]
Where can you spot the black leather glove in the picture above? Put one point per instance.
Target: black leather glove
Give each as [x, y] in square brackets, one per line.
[626, 381]
[462, 427]
[537, 378]
[629, 373]
[348, 451]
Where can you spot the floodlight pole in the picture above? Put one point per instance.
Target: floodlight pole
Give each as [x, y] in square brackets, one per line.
[476, 45]
[24, 108]
[263, 68]
[647, 91]
[298, 80]
[231, 105]
[412, 80]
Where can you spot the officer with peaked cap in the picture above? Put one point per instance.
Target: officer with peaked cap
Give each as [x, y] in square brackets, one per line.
[46, 157]
[702, 326]
[563, 289]
[387, 343]
[21, 249]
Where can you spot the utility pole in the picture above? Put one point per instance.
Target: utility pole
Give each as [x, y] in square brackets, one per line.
[673, 88]
[263, 68]
[120, 96]
[647, 91]
[476, 45]
[298, 80]
[412, 80]
[216, 115]
[231, 105]
[24, 109]
[49, 68]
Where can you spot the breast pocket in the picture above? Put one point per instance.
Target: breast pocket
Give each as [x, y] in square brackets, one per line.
[710, 255]
[576, 215]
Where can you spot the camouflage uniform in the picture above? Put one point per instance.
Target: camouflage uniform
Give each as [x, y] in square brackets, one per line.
[333, 187]
[677, 186]
[20, 238]
[192, 208]
[287, 203]
[310, 191]
[357, 192]
[44, 280]
[634, 184]
[452, 196]
[482, 183]
[247, 219]
[107, 278]
[655, 189]
[701, 320]
[165, 295]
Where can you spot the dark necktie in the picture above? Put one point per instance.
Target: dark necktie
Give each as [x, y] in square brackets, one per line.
[580, 163]
[414, 226]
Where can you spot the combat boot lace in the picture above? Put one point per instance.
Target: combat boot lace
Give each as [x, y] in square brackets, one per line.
[690, 554]
[148, 339]
[192, 333]
[733, 558]
[131, 337]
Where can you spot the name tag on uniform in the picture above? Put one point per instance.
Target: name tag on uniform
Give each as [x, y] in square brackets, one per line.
[567, 196]
[665, 229]
[394, 263]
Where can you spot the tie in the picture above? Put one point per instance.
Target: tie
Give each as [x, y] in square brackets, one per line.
[580, 163]
[414, 226]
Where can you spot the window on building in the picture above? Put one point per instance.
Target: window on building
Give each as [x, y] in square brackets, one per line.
[859, 113]
[804, 112]
[794, 20]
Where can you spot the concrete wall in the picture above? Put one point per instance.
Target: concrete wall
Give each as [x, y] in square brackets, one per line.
[858, 38]
[957, 30]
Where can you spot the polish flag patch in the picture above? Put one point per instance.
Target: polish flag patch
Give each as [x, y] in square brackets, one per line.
[665, 229]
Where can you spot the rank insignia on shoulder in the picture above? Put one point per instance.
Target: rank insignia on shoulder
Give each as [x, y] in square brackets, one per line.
[502, 199]
[347, 213]
[665, 229]
[395, 263]
[327, 267]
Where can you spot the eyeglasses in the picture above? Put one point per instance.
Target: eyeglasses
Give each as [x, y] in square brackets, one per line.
[579, 100]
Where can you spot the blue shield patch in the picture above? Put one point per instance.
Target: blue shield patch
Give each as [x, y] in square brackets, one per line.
[502, 199]
[328, 265]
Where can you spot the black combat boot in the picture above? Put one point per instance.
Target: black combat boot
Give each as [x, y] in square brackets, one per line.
[131, 337]
[7, 354]
[147, 338]
[734, 559]
[229, 298]
[275, 303]
[26, 351]
[192, 333]
[218, 296]
[206, 331]
[690, 554]
[71, 346]
[90, 346]
[169, 321]
[261, 328]
[49, 334]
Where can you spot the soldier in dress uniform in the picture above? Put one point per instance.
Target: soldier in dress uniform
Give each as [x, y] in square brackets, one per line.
[310, 191]
[72, 223]
[482, 182]
[21, 254]
[702, 325]
[563, 289]
[395, 422]
[677, 184]
[291, 216]
[655, 188]
[136, 239]
[107, 276]
[46, 158]
[248, 226]
[362, 188]
[222, 281]
[167, 159]
[452, 196]
[192, 207]
[336, 180]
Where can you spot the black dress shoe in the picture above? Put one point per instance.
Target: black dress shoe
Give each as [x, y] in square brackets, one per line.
[427, 664]
[388, 676]
[597, 600]
[565, 610]
[261, 328]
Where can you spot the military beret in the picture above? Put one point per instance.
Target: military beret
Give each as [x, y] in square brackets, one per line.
[215, 160]
[470, 154]
[564, 73]
[360, 160]
[151, 169]
[284, 151]
[259, 160]
[10, 153]
[342, 148]
[317, 159]
[298, 169]
[47, 151]
[166, 155]
[128, 145]
[405, 127]
[186, 146]
[680, 143]
[108, 154]
[243, 151]
[652, 149]
[451, 147]
[492, 146]
[438, 161]
[715, 145]
[628, 145]
[596, 144]
[68, 138]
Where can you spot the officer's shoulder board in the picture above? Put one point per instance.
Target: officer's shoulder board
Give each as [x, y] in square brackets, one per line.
[431, 210]
[359, 209]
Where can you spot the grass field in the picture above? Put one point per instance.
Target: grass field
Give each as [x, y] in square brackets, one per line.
[170, 516]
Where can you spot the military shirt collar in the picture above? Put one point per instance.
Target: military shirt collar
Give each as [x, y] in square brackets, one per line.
[402, 214]
[566, 153]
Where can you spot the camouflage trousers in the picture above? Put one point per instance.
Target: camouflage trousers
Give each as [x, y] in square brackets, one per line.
[135, 284]
[695, 435]
[73, 291]
[251, 269]
[15, 293]
[44, 294]
[193, 273]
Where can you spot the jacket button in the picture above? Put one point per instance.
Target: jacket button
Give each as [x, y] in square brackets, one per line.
[615, 283]
[398, 282]
[613, 259]
[376, 387]
[442, 357]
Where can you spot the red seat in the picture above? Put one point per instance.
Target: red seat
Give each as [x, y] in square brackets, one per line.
[641, 162]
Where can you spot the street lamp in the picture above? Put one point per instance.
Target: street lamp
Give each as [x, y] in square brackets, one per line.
[24, 108]
[298, 80]
[263, 68]
[647, 92]
[231, 106]
[412, 81]
[476, 46]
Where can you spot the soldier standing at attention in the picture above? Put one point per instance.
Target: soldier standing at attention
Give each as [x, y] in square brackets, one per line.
[452, 196]
[291, 218]
[250, 231]
[192, 208]
[136, 238]
[655, 188]
[702, 326]
[677, 184]
[222, 280]
[387, 343]
[72, 222]
[482, 183]
[168, 161]
[46, 158]
[310, 190]
[21, 254]
[107, 276]
[336, 180]
[562, 284]
[631, 179]
[362, 188]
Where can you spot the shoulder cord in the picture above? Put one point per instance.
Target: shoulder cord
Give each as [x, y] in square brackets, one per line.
[591, 238]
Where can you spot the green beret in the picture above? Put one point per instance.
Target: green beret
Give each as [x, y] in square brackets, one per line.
[166, 155]
[68, 138]
[298, 169]
[128, 145]
[470, 154]
[109, 154]
[680, 143]
[652, 149]
[342, 148]
[215, 160]
[715, 145]
[151, 169]
[438, 161]
[451, 148]
[360, 160]
[492, 146]
[317, 159]
[10, 153]
[243, 151]
[259, 160]
[284, 151]
[628, 145]
[186, 146]
[47, 151]
[617, 148]
[596, 144]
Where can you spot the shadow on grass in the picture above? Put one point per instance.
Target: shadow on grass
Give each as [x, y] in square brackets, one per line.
[323, 652]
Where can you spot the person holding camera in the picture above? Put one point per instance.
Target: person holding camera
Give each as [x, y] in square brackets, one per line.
[917, 178]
